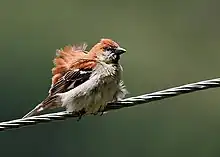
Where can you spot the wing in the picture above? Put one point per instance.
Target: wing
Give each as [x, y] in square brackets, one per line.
[69, 81]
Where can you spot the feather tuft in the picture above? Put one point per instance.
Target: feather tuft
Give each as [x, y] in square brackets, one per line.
[66, 59]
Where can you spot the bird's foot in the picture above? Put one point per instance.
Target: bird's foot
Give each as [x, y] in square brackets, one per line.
[101, 111]
[81, 113]
[95, 113]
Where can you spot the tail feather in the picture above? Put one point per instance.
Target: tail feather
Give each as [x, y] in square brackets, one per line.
[34, 111]
[49, 103]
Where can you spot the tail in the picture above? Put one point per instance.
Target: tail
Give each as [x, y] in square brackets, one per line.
[49, 103]
[35, 111]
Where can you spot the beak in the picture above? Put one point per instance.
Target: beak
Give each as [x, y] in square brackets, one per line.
[120, 50]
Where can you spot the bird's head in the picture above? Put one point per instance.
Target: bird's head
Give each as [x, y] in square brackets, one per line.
[107, 51]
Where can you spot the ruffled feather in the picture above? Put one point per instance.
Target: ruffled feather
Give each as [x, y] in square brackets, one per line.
[66, 59]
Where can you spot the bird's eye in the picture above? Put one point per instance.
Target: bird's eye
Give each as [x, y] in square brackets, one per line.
[109, 49]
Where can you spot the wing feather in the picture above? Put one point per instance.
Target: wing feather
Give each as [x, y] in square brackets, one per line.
[69, 81]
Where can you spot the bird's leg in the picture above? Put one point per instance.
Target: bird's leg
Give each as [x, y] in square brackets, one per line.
[95, 113]
[98, 111]
[80, 114]
[101, 110]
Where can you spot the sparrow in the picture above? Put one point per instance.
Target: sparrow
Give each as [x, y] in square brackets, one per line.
[85, 81]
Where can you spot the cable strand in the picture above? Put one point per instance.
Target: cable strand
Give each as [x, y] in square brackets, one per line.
[128, 102]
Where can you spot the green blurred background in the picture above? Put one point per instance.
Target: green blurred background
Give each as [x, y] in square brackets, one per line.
[169, 43]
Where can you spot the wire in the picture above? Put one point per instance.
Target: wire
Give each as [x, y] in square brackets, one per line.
[128, 102]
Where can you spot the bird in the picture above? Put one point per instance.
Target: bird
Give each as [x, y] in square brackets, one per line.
[84, 81]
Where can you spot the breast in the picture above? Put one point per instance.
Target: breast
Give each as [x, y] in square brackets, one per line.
[101, 94]
[94, 93]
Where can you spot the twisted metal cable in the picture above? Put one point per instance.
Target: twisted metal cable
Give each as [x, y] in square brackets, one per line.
[129, 102]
